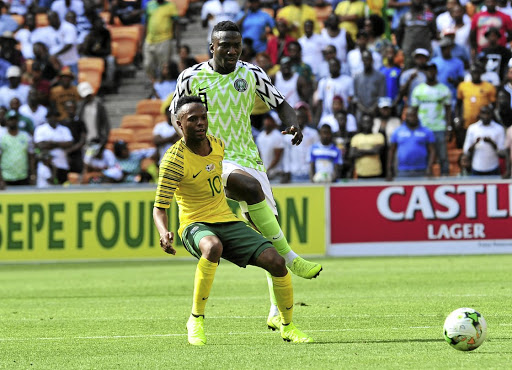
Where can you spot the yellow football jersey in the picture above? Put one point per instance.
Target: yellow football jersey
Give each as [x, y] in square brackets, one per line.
[197, 183]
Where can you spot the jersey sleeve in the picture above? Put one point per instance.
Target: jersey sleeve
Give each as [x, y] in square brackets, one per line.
[171, 173]
[265, 89]
[183, 88]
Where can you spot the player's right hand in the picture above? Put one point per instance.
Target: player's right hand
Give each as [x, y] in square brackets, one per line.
[166, 243]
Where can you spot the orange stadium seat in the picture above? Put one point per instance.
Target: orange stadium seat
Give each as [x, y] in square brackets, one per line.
[149, 106]
[159, 118]
[138, 146]
[42, 20]
[106, 18]
[127, 39]
[144, 136]
[125, 134]
[137, 121]
[91, 70]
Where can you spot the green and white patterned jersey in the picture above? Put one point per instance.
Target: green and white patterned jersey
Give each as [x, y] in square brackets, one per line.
[229, 100]
[431, 101]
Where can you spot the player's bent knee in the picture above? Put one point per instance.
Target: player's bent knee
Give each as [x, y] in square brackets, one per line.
[211, 248]
[271, 261]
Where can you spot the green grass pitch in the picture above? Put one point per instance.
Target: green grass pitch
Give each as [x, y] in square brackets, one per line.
[363, 313]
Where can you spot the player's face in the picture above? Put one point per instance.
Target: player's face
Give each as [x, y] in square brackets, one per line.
[226, 48]
[193, 121]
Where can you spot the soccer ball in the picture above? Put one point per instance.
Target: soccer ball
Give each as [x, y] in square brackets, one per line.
[465, 329]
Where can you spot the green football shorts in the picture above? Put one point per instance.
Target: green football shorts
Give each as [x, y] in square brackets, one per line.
[241, 244]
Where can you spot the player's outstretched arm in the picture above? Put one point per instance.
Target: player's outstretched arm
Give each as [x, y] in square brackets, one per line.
[166, 236]
[288, 117]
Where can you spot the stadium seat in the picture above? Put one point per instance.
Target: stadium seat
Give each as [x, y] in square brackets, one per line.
[106, 18]
[18, 18]
[91, 70]
[138, 146]
[42, 20]
[159, 118]
[137, 121]
[127, 39]
[125, 134]
[149, 106]
[144, 136]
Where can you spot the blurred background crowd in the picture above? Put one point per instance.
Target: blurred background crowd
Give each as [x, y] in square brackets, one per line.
[381, 88]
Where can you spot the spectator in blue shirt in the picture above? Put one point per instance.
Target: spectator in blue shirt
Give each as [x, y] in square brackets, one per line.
[7, 23]
[450, 70]
[414, 146]
[325, 158]
[4, 65]
[255, 24]
[391, 71]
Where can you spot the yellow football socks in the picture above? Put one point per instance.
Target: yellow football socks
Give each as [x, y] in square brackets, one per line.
[266, 222]
[205, 272]
[284, 296]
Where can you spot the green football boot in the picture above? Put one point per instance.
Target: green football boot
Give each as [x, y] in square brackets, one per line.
[195, 327]
[290, 333]
[305, 269]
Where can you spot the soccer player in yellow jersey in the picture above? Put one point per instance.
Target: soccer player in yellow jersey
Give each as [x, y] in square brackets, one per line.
[191, 170]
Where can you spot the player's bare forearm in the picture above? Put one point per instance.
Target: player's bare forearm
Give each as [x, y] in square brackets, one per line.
[289, 118]
[166, 237]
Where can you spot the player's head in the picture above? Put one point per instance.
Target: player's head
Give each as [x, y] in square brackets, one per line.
[191, 118]
[226, 46]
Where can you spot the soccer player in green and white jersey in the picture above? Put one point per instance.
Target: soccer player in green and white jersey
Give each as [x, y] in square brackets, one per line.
[433, 100]
[228, 87]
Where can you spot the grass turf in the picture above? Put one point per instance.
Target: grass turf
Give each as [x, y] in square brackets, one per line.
[363, 313]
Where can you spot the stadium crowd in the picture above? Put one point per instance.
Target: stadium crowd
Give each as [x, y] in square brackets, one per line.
[381, 89]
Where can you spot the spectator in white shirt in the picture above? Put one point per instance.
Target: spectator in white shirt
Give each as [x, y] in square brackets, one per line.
[33, 110]
[355, 59]
[215, 11]
[19, 6]
[312, 45]
[99, 159]
[55, 138]
[15, 89]
[485, 143]
[270, 146]
[295, 157]
[24, 36]
[164, 136]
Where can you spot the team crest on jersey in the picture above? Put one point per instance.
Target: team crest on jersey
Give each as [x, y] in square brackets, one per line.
[241, 85]
[210, 167]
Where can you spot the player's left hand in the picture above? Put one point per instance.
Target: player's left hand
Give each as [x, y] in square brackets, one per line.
[166, 243]
[296, 132]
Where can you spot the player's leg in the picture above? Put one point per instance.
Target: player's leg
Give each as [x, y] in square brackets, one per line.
[274, 264]
[254, 195]
[204, 245]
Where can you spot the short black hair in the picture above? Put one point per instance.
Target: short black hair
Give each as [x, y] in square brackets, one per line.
[225, 26]
[295, 43]
[326, 126]
[184, 100]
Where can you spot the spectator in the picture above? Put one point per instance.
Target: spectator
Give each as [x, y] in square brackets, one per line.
[497, 56]
[412, 77]
[343, 124]
[4, 66]
[7, 23]
[39, 84]
[464, 164]
[414, 148]
[508, 152]
[62, 7]
[385, 122]
[160, 28]
[296, 13]
[131, 163]
[128, 12]
[24, 123]
[186, 60]
[416, 30]
[483, 21]
[471, 96]
[325, 158]
[46, 171]
[61, 38]
[9, 50]
[332, 34]
[63, 92]
[369, 85]
[503, 111]
[366, 149]
[255, 24]
[16, 155]
[434, 103]
[277, 46]
[459, 50]
[20, 7]
[55, 138]
[329, 52]
[445, 20]
[349, 12]
[295, 157]
[49, 66]
[450, 70]
[293, 86]
[93, 113]
[164, 136]
[391, 71]
[312, 45]
[98, 44]
[507, 84]
[14, 89]
[33, 110]
[485, 143]
[354, 57]
[79, 133]
[167, 82]
[270, 145]
[259, 109]
[374, 27]
[215, 11]
[24, 36]
[335, 85]
[102, 162]
[303, 69]
[400, 7]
